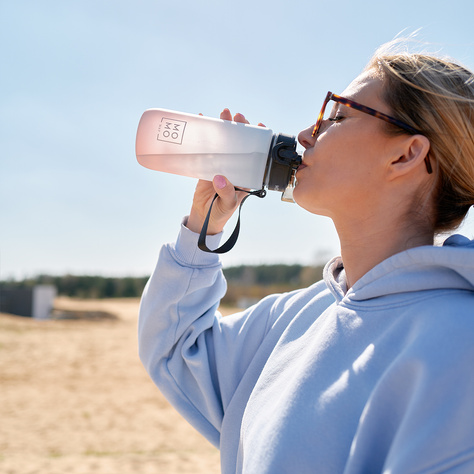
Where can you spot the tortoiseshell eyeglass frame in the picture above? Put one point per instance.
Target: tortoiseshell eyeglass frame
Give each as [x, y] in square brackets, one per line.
[370, 111]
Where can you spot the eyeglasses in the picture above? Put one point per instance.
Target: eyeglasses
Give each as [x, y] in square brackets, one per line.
[366, 110]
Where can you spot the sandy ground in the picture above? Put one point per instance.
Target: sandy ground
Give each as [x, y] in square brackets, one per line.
[74, 398]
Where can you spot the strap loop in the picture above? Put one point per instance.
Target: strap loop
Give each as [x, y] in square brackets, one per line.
[235, 234]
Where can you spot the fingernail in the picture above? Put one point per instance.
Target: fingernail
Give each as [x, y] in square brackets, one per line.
[220, 182]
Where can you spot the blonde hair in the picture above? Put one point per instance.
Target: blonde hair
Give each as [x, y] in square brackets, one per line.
[436, 97]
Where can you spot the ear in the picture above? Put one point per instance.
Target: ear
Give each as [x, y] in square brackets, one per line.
[412, 152]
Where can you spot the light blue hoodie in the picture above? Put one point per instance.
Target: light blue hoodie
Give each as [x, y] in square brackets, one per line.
[376, 379]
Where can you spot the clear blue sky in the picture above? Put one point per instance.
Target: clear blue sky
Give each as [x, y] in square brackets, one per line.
[77, 75]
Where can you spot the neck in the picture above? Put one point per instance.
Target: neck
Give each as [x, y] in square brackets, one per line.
[366, 243]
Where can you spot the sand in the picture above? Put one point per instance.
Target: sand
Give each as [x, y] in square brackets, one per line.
[74, 398]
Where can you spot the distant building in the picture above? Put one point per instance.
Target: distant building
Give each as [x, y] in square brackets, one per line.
[35, 302]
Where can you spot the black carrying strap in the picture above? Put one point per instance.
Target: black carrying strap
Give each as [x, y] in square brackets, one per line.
[233, 238]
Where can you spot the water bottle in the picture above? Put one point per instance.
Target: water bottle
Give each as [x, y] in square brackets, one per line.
[201, 147]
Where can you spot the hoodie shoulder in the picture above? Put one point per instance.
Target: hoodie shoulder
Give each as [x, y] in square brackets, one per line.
[420, 269]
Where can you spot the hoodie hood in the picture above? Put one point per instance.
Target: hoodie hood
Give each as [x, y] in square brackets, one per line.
[417, 269]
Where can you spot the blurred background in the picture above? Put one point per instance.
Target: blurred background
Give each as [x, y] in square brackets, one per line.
[76, 77]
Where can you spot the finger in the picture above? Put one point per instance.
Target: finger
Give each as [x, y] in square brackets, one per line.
[240, 118]
[262, 125]
[226, 115]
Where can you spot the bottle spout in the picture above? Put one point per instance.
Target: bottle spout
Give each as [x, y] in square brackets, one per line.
[287, 195]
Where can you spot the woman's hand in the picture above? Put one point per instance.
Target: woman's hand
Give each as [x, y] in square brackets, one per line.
[228, 201]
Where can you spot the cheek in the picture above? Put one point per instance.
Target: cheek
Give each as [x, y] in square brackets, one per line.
[349, 162]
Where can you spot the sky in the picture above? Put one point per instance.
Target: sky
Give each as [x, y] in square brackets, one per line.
[77, 75]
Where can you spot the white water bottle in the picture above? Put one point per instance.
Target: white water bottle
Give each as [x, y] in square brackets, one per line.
[202, 147]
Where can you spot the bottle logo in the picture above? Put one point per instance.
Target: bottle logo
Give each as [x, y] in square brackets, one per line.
[171, 130]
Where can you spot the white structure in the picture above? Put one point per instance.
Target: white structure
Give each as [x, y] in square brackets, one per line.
[43, 301]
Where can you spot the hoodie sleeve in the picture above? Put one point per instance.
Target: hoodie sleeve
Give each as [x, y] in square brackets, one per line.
[195, 356]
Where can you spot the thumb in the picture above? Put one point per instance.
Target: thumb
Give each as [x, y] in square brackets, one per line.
[226, 191]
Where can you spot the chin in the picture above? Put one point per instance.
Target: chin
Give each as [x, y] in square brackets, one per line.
[304, 194]
[309, 202]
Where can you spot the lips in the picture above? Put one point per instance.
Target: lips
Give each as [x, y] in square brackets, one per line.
[303, 164]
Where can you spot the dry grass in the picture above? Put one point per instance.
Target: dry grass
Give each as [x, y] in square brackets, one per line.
[75, 398]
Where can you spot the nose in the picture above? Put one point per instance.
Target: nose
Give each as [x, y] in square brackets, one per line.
[305, 137]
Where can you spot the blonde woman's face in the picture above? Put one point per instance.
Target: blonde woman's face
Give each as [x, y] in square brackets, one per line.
[343, 165]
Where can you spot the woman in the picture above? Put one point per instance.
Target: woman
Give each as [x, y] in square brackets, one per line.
[371, 369]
